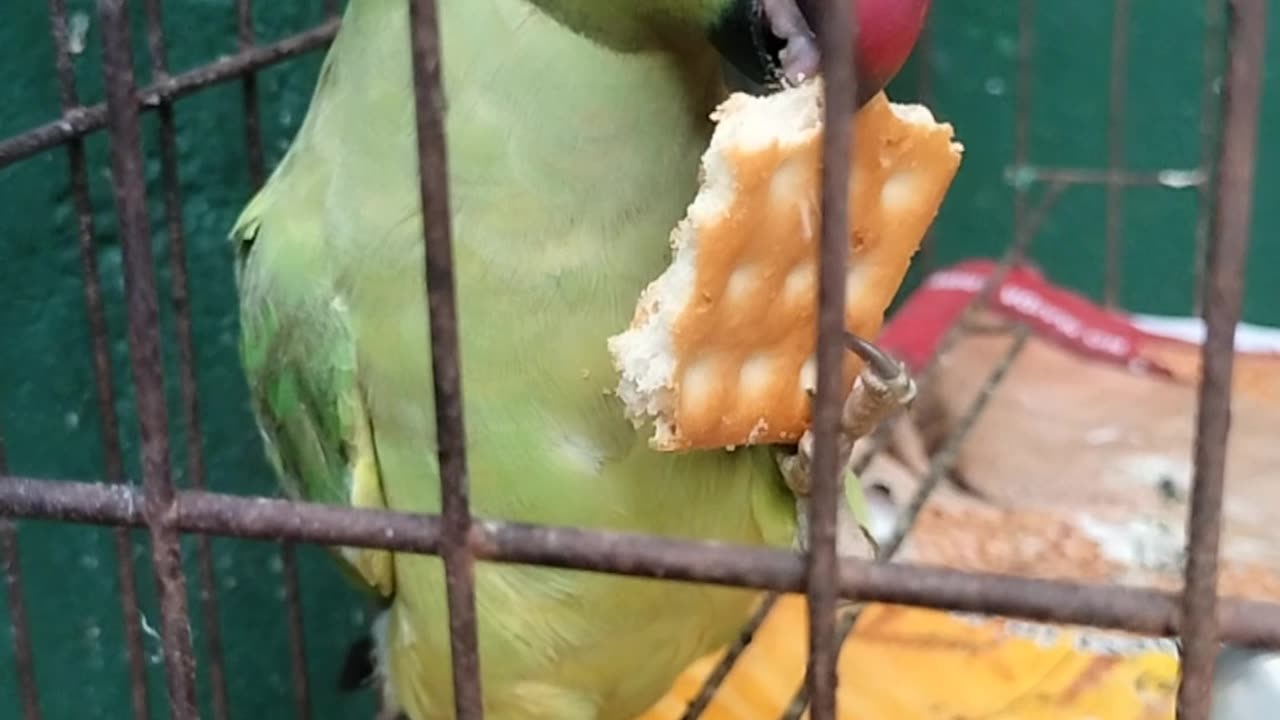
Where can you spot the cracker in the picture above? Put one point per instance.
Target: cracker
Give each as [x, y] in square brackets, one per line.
[720, 351]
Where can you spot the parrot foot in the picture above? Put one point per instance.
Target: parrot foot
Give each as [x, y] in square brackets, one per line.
[883, 386]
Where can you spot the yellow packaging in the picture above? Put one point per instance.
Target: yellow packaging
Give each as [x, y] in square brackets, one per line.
[905, 663]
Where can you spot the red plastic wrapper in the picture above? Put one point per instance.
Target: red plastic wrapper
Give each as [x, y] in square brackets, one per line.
[1078, 468]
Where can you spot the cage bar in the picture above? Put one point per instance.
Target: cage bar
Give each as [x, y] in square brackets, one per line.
[249, 97]
[1121, 607]
[180, 292]
[1117, 111]
[19, 620]
[946, 455]
[80, 120]
[256, 161]
[445, 365]
[113, 455]
[906, 520]
[720, 672]
[297, 636]
[144, 346]
[1210, 108]
[939, 464]
[1224, 289]
[835, 39]
[1023, 96]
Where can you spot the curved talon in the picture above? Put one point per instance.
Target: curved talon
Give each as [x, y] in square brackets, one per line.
[881, 363]
[882, 386]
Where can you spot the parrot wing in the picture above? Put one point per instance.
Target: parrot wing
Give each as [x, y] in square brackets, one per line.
[300, 357]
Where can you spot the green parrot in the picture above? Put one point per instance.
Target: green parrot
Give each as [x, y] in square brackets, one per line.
[574, 133]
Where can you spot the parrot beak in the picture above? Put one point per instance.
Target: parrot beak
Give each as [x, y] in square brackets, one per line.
[771, 43]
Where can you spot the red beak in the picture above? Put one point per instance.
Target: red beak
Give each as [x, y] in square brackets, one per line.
[772, 41]
[887, 33]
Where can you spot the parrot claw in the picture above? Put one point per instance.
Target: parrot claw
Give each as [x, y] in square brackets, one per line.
[883, 386]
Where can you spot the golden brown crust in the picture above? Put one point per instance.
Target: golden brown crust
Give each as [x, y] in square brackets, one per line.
[743, 340]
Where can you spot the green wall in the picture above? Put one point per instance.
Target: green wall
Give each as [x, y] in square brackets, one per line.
[48, 412]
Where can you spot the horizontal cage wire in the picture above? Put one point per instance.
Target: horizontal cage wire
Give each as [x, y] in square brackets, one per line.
[1224, 183]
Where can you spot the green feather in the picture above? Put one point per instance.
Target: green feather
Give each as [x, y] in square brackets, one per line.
[573, 139]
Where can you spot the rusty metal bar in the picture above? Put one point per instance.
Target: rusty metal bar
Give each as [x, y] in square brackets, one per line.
[1022, 105]
[1224, 289]
[446, 372]
[256, 160]
[1014, 254]
[1121, 607]
[1173, 178]
[297, 636]
[144, 346]
[80, 120]
[942, 460]
[1116, 114]
[19, 621]
[939, 465]
[836, 32]
[249, 96]
[95, 312]
[946, 455]
[181, 299]
[720, 672]
[1210, 110]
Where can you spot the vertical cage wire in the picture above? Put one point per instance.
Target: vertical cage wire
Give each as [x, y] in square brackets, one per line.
[1024, 85]
[112, 452]
[297, 636]
[939, 464]
[249, 97]
[1224, 289]
[180, 294]
[1211, 108]
[445, 364]
[252, 113]
[944, 458]
[1027, 222]
[836, 31]
[1117, 112]
[160, 509]
[19, 621]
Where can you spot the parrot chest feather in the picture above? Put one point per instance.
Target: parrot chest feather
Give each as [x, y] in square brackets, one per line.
[568, 164]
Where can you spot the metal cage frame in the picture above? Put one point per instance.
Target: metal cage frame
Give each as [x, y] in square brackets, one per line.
[1198, 615]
